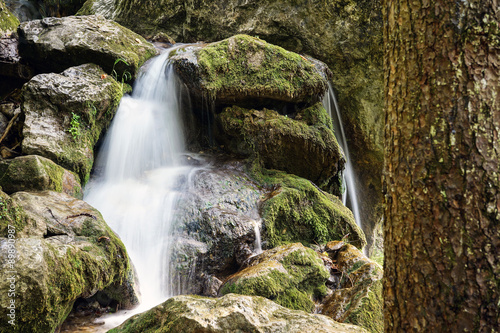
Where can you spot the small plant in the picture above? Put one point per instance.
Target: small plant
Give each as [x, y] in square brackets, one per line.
[126, 75]
[74, 128]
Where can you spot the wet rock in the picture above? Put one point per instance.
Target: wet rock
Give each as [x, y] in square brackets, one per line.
[36, 173]
[243, 69]
[66, 113]
[231, 313]
[63, 250]
[216, 222]
[290, 275]
[11, 65]
[358, 299]
[282, 143]
[54, 44]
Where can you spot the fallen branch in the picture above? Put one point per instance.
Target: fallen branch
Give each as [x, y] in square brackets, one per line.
[11, 122]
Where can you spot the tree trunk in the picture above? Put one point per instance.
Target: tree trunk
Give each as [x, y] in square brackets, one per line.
[442, 166]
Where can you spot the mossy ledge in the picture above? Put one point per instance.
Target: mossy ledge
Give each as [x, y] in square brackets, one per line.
[295, 210]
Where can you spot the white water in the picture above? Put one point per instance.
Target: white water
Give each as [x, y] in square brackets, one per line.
[258, 244]
[142, 178]
[349, 197]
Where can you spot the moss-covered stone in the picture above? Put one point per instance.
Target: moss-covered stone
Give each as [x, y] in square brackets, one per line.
[10, 214]
[63, 251]
[243, 68]
[291, 275]
[66, 113]
[283, 143]
[359, 299]
[230, 313]
[8, 22]
[54, 44]
[36, 173]
[295, 210]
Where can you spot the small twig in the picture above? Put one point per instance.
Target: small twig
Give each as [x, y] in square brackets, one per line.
[11, 122]
[81, 214]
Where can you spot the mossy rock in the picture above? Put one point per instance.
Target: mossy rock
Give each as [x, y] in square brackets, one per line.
[230, 313]
[243, 68]
[66, 113]
[291, 275]
[295, 210]
[8, 22]
[63, 250]
[54, 44]
[36, 173]
[10, 214]
[359, 299]
[305, 146]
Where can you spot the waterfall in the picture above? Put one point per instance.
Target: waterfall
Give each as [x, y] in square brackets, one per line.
[140, 176]
[349, 197]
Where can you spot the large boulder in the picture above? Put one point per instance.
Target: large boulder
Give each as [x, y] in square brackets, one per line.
[298, 146]
[215, 232]
[54, 44]
[66, 113]
[291, 275]
[357, 298]
[8, 22]
[55, 249]
[295, 210]
[246, 69]
[36, 173]
[231, 313]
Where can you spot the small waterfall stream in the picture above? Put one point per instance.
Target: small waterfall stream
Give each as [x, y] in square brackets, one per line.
[349, 198]
[141, 177]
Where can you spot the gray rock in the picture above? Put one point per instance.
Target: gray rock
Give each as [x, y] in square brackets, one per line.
[231, 313]
[216, 221]
[63, 250]
[66, 113]
[54, 44]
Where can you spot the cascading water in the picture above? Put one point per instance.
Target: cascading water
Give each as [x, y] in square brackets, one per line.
[142, 176]
[349, 198]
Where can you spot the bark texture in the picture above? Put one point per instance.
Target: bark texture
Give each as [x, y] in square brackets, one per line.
[442, 164]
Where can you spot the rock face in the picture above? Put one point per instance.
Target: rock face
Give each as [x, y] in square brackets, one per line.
[295, 210]
[231, 313]
[66, 113]
[282, 143]
[54, 44]
[246, 69]
[8, 22]
[63, 250]
[346, 35]
[36, 173]
[290, 275]
[217, 218]
[358, 299]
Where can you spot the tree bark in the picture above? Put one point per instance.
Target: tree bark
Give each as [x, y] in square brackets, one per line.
[442, 166]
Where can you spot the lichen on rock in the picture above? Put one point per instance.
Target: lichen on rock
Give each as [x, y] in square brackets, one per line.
[230, 313]
[66, 113]
[54, 44]
[8, 22]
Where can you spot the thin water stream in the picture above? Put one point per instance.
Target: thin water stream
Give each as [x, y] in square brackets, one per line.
[349, 197]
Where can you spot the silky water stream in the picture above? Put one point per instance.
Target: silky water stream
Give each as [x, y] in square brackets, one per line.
[140, 176]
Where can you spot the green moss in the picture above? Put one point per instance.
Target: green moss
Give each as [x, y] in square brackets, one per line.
[315, 115]
[247, 65]
[8, 22]
[297, 211]
[369, 313]
[10, 215]
[293, 282]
